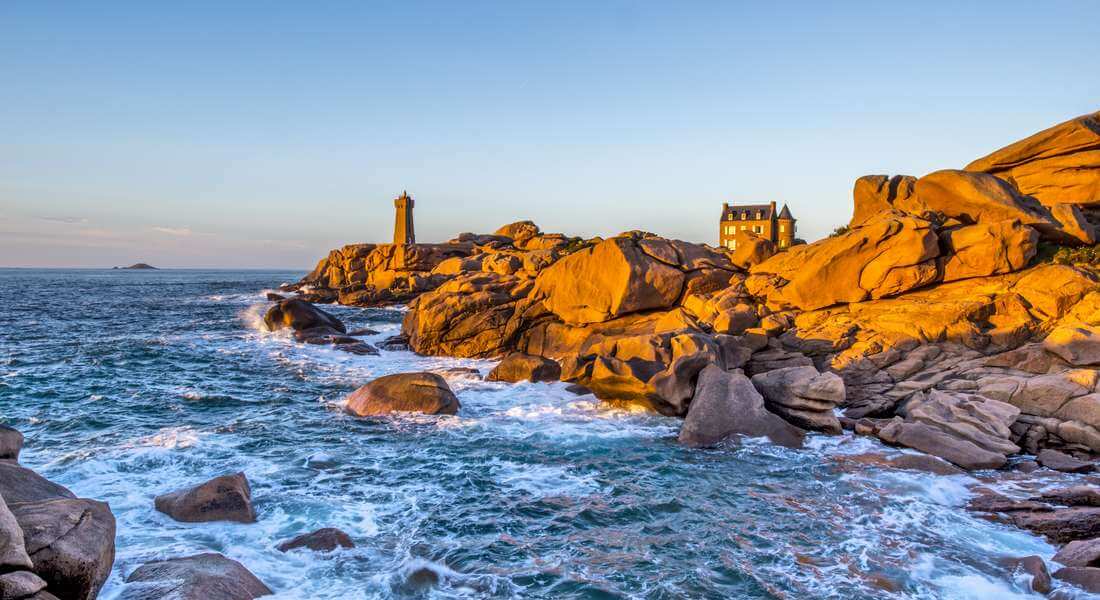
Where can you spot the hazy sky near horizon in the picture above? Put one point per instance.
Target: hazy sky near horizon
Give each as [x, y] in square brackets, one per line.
[258, 134]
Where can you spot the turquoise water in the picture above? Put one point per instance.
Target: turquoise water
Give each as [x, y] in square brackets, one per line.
[128, 384]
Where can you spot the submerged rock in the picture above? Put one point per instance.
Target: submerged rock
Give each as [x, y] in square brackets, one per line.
[523, 367]
[322, 540]
[224, 498]
[426, 393]
[727, 404]
[1086, 578]
[1036, 569]
[209, 576]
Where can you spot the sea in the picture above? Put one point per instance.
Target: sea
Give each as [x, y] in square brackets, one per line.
[129, 384]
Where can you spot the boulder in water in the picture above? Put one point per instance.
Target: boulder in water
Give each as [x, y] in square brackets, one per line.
[209, 576]
[426, 393]
[727, 404]
[1060, 461]
[523, 367]
[1080, 553]
[299, 315]
[224, 498]
[1086, 578]
[322, 540]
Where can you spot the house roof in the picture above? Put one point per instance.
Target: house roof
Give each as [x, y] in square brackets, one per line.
[785, 213]
[747, 212]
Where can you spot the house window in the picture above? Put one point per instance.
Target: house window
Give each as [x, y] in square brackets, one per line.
[744, 227]
[759, 215]
[757, 229]
[731, 244]
[782, 243]
[782, 228]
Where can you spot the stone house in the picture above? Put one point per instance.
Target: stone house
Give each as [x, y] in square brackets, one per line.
[760, 219]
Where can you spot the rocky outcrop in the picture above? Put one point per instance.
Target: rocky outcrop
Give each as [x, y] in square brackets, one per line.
[887, 256]
[1059, 165]
[300, 315]
[71, 542]
[1080, 553]
[465, 317]
[426, 393]
[224, 498]
[803, 396]
[523, 367]
[51, 542]
[726, 404]
[208, 576]
[972, 198]
[875, 194]
[1078, 344]
[987, 249]
[323, 540]
[970, 431]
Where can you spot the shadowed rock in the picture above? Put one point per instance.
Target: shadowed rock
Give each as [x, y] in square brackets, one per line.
[426, 393]
[71, 542]
[727, 404]
[322, 540]
[208, 576]
[1080, 553]
[11, 442]
[19, 484]
[1060, 461]
[1086, 578]
[299, 315]
[1036, 568]
[803, 396]
[524, 367]
[13, 553]
[224, 498]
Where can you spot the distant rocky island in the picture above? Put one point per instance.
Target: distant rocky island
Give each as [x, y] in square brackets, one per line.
[138, 266]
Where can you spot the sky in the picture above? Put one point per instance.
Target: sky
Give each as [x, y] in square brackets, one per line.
[262, 134]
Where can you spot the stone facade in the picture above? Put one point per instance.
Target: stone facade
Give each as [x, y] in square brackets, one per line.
[760, 219]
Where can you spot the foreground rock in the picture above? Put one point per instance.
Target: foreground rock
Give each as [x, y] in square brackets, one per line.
[803, 396]
[322, 540]
[11, 442]
[224, 498]
[727, 404]
[1057, 165]
[300, 315]
[71, 542]
[51, 539]
[1080, 553]
[426, 393]
[1086, 578]
[208, 576]
[523, 367]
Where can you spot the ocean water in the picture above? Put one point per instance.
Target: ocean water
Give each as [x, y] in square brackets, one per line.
[129, 384]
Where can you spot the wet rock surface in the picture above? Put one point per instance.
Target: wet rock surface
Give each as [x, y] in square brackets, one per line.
[224, 498]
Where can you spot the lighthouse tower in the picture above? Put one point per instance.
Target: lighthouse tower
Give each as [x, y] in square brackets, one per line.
[403, 232]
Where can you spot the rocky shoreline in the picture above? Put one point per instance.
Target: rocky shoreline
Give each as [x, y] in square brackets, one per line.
[934, 321]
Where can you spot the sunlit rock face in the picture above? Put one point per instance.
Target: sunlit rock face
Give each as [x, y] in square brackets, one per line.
[1059, 165]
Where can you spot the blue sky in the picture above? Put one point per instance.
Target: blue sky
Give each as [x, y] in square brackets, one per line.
[214, 134]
